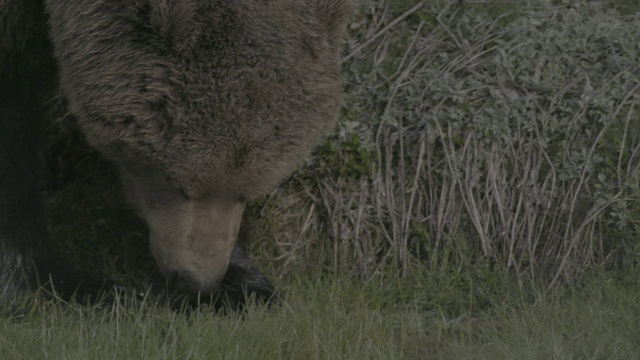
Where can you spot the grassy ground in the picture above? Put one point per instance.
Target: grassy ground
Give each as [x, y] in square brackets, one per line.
[334, 319]
[479, 200]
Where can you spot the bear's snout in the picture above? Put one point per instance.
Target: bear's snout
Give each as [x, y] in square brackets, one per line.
[192, 241]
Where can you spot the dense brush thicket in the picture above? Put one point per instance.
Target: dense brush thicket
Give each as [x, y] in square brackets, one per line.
[509, 138]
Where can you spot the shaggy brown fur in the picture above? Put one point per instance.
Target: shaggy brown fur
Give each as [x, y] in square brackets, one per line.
[225, 98]
[202, 104]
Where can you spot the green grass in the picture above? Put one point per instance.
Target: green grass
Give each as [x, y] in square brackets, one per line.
[336, 319]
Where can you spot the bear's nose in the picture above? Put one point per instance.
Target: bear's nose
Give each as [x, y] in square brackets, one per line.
[189, 283]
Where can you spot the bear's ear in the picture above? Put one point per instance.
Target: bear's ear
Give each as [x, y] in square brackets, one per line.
[334, 15]
[173, 20]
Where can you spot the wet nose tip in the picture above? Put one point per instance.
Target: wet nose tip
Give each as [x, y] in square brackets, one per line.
[188, 282]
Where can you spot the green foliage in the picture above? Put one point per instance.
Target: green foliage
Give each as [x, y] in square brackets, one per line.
[346, 158]
[624, 6]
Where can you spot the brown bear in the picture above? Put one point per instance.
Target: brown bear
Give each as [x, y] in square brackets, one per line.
[202, 105]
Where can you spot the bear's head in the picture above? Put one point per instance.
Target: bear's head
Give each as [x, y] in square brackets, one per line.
[202, 105]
